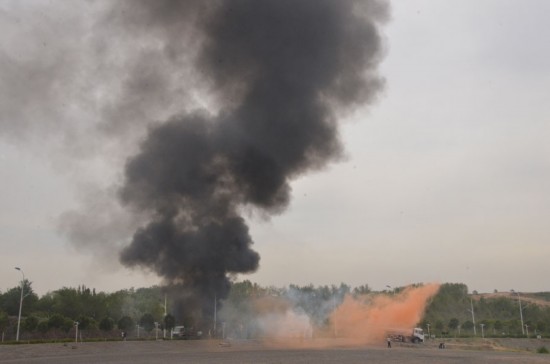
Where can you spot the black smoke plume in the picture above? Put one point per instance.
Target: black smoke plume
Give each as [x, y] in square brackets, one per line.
[280, 71]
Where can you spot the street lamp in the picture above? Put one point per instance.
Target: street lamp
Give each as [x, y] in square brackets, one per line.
[20, 303]
[164, 326]
[473, 316]
[429, 336]
[76, 323]
[520, 311]
[215, 313]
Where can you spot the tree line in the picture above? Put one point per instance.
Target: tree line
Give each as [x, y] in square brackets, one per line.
[449, 313]
[98, 314]
[142, 311]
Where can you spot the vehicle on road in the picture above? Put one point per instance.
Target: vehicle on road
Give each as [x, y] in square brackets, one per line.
[415, 336]
[186, 333]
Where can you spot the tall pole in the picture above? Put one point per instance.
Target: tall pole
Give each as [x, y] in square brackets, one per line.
[473, 316]
[215, 312]
[20, 303]
[164, 326]
[520, 312]
[333, 310]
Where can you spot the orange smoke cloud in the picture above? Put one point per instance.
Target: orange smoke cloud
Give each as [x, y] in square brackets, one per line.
[367, 319]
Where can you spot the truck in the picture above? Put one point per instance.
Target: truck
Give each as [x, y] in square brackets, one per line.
[415, 336]
[186, 333]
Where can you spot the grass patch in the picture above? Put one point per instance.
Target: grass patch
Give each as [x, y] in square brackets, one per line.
[542, 350]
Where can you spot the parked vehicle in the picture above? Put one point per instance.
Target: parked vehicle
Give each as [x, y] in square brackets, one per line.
[186, 333]
[416, 336]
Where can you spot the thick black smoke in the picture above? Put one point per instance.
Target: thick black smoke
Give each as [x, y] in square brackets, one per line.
[280, 70]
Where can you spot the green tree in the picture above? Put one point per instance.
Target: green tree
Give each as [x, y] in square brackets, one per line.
[361, 290]
[439, 326]
[468, 325]
[147, 321]
[169, 322]
[453, 323]
[43, 326]
[66, 302]
[30, 323]
[106, 324]
[4, 321]
[57, 321]
[125, 323]
[12, 297]
[86, 322]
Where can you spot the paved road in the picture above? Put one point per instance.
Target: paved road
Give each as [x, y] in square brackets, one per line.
[246, 352]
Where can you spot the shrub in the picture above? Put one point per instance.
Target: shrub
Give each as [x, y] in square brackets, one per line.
[125, 323]
[58, 321]
[147, 322]
[30, 323]
[43, 326]
[85, 322]
[106, 324]
[542, 350]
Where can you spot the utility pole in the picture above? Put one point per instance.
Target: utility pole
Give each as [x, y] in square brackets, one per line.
[520, 312]
[473, 316]
[164, 326]
[215, 312]
[20, 303]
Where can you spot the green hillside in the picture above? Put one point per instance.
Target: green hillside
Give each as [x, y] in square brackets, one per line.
[450, 313]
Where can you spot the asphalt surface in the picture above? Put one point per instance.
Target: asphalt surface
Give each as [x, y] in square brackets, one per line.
[247, 352]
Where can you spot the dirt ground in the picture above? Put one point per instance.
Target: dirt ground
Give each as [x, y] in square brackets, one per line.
[318, 352]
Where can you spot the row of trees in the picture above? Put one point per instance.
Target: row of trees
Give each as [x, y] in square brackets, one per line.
[101, 314]
[450, 313]
[98, 314]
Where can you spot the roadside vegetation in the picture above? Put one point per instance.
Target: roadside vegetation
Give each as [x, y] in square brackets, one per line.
[140, 312]
[496, 314]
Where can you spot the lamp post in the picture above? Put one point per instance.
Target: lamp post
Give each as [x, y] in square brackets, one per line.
[520, 311]
[215, 313]
[164, 326]
[429, 336]
[76, 332]
[20, 303]
[473, 316]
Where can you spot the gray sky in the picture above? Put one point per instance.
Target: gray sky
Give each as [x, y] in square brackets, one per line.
[445, 178]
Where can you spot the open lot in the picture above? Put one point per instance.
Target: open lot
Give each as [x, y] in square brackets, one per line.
[209, 351]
